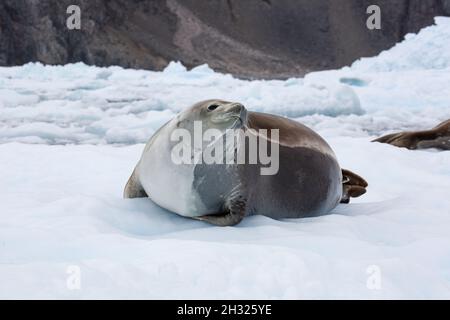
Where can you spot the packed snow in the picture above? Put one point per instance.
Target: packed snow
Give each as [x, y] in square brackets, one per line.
[71, 135]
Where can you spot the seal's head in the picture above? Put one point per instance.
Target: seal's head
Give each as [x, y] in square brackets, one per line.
[218, 114]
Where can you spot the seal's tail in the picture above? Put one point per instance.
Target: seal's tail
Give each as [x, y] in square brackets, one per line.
[353, 186]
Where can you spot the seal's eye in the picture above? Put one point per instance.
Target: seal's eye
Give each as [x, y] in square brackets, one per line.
[213, 107]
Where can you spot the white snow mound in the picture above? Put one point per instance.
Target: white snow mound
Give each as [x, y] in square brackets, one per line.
[76, 103]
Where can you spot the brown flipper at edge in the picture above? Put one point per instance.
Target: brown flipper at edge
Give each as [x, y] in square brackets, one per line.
[353, 185]
[438, 138]
[387, 138]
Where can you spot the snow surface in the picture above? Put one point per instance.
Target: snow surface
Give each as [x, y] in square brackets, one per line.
[71, 135]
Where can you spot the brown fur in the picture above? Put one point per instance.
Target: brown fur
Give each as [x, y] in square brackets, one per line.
[438, 137]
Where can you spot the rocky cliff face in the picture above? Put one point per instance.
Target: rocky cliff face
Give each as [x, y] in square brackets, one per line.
[251, 38]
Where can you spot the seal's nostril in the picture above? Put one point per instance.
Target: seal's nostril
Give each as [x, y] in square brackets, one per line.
[236, 107]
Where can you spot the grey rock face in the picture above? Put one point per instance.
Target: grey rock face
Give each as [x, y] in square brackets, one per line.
[251, 38]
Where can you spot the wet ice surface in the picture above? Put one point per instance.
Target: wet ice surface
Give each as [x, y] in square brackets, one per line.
[71, 136]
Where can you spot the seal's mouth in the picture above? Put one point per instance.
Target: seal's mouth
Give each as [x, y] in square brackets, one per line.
[238, 118]
[239, 122]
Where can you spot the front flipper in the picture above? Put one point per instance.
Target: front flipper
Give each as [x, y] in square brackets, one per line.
[409, 140]
[233, 213]
[133, 188]
[353, 186]
[442, 143]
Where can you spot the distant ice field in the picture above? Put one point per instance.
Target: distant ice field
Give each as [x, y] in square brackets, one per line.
[405, 87]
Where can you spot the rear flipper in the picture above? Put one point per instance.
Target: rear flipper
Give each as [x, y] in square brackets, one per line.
[133, 188]
[353, 186]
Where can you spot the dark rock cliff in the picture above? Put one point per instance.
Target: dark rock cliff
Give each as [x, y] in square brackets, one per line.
[251, 38]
